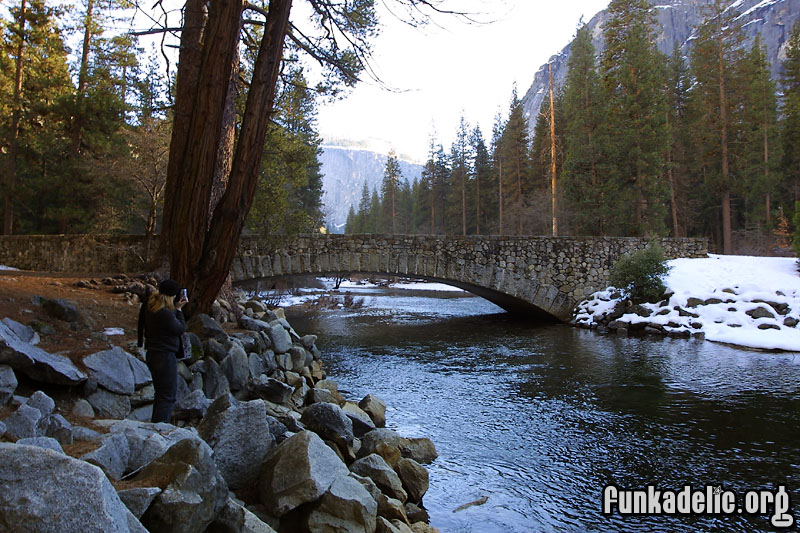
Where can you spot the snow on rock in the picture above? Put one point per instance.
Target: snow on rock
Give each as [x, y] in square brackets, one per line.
[752, 302]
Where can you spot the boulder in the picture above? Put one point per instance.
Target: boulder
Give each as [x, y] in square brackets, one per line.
[760, 312]
[309, 341]
[25, 333]
[80, 433]
[270, 389]
[215, 384]
[281, 341]
[143, 396]
[191, 406]
[375, 408]
[193, 493]
[392, 509]
[28, 496]
[138, 499]
[330, 422]
[346, 507]
[42, 442]
[239, 434]
[234, 517]
[318, 395]
[112, 456]
[298, 355]
[61, 309]
[109, 405]
[236, 368]
[8, 384]
[58, 428]
[370, 441]
[41, 401]
[362, 423]
[23, 423]
[414, 477]
[213, 349]
[298, 471]
[422, 450]
[147, 441]
[140, 371]
[252, 324]
[36, 363]
[374, 467]
[206, 327]
[112, 370]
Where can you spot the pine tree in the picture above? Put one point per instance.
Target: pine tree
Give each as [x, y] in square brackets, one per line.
[679, 148]
[459, 174]
[632, 73]
[288, 197]
[587, 188]
[790, 130]
[515, 156]
[33, 134]
[390, 187]
[483, 182]
[758, 142]
[716, 58]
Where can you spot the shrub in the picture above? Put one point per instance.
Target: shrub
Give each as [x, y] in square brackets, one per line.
[639, 275]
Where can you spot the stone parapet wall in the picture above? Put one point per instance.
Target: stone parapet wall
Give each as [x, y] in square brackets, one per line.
[551, 274]
[546, 275]
[82, 254]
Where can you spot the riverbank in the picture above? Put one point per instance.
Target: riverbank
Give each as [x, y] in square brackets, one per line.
[272, 443]
[752, 302]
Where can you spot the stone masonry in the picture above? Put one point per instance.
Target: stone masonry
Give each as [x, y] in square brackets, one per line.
[544, 276]
[541, 276]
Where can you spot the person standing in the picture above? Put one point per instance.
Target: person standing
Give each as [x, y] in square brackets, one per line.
[161, 325]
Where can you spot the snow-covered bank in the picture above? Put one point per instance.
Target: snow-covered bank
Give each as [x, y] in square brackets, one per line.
[747, 301]
[302, 296]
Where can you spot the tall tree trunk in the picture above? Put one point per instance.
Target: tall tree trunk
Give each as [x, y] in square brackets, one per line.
[500, 193]
[433, 209]
[477, 204]
[723, 119]
[83, 75]
[222, 240]
[553, 154]
[394, 213]
[672, 188]
[11, 180]
[464, 203]
[186, 87]
[768, 217]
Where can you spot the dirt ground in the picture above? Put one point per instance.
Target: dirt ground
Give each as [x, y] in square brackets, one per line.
[103, 309]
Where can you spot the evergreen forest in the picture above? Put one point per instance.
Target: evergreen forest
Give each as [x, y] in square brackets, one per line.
[642, 144]
[85, 130]
[637, 143]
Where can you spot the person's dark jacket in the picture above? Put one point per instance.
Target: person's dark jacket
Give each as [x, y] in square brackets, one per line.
[162, 331]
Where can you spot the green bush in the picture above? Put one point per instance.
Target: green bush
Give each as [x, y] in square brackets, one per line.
[639, 275]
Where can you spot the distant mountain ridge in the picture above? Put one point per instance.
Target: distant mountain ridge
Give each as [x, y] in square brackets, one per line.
[678, 18]
[345, 170]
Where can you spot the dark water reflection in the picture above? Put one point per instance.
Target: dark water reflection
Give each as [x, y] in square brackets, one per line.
[541, 418]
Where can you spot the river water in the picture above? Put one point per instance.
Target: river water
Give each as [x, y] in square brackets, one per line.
[540, 418]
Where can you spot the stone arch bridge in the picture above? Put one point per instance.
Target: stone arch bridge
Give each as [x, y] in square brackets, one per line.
[540, 276]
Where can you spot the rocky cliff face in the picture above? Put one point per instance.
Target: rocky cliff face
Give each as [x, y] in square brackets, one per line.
[773, 19]
[345, 171]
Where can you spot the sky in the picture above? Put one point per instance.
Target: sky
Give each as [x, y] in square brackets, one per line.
[452, 68]
[439, 72]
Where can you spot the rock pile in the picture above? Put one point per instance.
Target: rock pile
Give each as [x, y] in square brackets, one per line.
[263, 441]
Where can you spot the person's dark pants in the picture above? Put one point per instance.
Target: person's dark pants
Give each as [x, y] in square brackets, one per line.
[164, 368]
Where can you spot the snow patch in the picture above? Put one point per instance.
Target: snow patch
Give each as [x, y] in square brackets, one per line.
[752, 302]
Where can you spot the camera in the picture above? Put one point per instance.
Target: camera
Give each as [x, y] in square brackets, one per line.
[183, 296]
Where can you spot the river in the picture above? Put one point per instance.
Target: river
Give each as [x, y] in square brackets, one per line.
[540, 418]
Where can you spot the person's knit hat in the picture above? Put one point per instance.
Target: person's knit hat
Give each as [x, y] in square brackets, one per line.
[169, 287]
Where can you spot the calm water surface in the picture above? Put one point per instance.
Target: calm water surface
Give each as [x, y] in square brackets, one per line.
[540, 418]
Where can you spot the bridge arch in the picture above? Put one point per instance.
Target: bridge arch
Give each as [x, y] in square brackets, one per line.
[543, 277]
